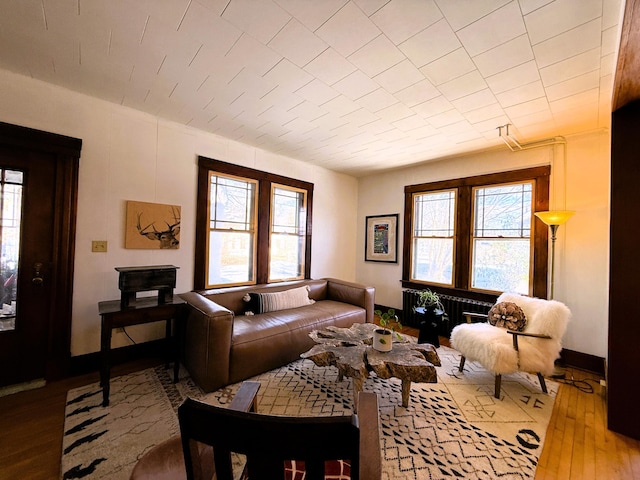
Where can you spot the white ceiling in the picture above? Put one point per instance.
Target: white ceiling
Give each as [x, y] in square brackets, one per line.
[350, 85]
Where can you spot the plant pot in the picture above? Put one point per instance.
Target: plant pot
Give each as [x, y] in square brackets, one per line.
[382, 340]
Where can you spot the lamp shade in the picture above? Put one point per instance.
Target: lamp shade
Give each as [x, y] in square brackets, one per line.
[555, 217]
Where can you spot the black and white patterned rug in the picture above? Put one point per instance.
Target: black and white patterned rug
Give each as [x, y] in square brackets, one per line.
[452, 429]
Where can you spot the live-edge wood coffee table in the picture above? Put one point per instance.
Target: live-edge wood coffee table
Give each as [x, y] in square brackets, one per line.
[350, 351]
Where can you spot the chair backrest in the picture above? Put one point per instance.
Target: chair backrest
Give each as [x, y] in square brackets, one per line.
[269, 441]
[545, 317]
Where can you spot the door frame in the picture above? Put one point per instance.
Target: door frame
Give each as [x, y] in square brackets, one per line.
[66, 153]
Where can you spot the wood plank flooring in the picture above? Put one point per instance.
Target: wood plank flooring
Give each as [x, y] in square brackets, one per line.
[577, 446]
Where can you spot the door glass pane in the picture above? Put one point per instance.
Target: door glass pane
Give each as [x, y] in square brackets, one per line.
[11, 210]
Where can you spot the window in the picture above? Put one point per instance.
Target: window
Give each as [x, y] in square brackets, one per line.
[433, 237]
[232, 230]
[475, 234]
[251, 226]
[501, 245]
[286, 250]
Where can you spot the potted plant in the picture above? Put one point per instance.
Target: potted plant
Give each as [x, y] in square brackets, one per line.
[383, 337]
[429, 300]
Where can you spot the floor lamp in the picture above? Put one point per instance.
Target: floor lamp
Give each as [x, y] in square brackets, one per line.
[554, 218]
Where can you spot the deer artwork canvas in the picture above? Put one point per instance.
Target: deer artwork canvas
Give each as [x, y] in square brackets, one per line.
[152, 226]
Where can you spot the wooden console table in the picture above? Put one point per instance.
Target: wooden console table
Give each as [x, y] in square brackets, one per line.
[144, 310]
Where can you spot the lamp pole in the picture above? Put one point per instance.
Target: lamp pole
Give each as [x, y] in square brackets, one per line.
[554, 218]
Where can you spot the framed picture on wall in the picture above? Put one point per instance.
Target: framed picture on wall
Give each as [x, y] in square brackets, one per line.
[381, 239]
[152, 226]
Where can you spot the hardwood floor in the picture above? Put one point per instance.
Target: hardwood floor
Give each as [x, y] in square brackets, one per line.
[577, 446]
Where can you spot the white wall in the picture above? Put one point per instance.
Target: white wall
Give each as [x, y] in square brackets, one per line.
[128, 155]
[582, 248]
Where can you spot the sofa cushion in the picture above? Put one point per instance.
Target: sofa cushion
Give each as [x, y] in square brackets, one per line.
[275, 301]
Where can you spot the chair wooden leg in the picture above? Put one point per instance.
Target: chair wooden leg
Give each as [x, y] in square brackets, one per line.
[498, 382]
[543, 384]
[462, 360]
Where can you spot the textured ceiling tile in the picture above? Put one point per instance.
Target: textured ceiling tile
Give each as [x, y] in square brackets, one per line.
[528, 6]
[543, 116]
[449, 117]
[317, 92]
[288, 75]
[208, 28]
[433, 107]
[492, 30]
[356, 85]
[417, 93]
[250, 54]
[361, 117]
[298, 44]
[330, 67]
[395, 112]
[610, 38]
[262, 23]
[506, 56]
[341, 106]
[474, 101]
[484, 113]
[377, 56]
[533, 106]
[611, 13]
[400, 76]
[576, 41]
[377, 100]
[311, 14]
[572, 67]
[460, 14]
[432, 43]
[408, 124]
[514, 77]
[522, 94]
[574, 86]
[559, 17]
[462, 86]
[348, 30]
[401, 19]
[448, 67]
[491, 124]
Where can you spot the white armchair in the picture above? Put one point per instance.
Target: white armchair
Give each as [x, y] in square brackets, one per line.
[534, 349]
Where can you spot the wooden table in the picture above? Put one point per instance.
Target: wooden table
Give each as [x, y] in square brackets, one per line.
[144, 310]
[350, 351]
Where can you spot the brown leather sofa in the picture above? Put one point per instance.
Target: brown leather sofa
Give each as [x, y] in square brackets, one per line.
[225, 346]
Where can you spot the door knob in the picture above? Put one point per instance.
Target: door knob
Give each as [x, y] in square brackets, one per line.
[37, 276]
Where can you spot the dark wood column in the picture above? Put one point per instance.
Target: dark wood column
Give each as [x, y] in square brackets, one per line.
[623, 362]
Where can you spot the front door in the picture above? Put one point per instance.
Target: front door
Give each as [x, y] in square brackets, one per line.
[30, 226]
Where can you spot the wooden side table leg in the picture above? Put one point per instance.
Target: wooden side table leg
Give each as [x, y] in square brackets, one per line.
[105, 353]
[406, 390]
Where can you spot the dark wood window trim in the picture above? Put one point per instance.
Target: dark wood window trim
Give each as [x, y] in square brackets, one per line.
[464, 187]
[265, 180]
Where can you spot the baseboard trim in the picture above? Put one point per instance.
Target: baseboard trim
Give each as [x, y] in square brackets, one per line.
[583, 361]
[91, 362]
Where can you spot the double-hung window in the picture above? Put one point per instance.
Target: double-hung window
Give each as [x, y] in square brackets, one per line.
[288, 232]
[477, 233]
[251, 226]
[231, 245]
[433, 236]
[501, 248]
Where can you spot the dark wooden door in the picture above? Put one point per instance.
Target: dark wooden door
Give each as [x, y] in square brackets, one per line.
[37, 197]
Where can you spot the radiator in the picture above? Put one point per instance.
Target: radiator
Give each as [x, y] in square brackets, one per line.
[453, 307]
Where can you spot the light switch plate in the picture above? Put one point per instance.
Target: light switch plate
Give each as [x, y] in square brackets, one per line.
[99, 246]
